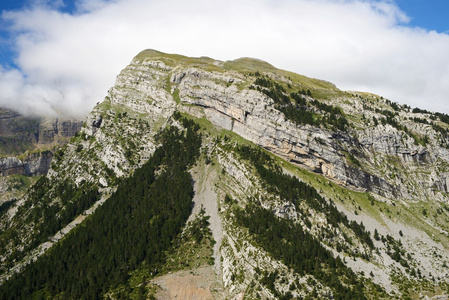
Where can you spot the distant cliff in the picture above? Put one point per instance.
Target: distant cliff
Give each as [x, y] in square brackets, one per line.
[33, 139]
[36, 163]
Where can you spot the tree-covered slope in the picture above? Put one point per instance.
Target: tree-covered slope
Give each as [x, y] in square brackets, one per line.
[130, 231]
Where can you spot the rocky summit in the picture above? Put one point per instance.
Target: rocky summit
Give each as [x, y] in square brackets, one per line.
[201, 179]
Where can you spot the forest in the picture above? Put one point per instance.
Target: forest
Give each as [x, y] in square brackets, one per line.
[133, 229]
[47, 215]
[299, 250]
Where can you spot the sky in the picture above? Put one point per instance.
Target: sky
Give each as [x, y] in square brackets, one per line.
[60, 57]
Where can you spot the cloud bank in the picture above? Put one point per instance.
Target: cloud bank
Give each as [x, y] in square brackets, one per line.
[67, 62]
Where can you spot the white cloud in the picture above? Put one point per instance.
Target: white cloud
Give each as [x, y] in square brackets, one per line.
[68, 62]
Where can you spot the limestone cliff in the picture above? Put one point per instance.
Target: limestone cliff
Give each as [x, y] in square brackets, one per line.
[368, 155]
[20, 133]
[27, 142]
[37, 163]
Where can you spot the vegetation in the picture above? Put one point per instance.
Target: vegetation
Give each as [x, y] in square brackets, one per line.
[299, 250]
[301, 111]
[140, 232]
[443, 117]
[47, 215]
[192, 248]
[134, 228]
[6, 205]
[294, 244]
[291, 189]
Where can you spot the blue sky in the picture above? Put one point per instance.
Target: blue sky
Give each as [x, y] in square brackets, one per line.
[64, 5]
[7, 51]
[429, 14]
[60, 57]
[12, 4]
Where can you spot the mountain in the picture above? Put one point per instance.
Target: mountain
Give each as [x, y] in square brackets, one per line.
[26, 149]
[21, 133]
[197, 178]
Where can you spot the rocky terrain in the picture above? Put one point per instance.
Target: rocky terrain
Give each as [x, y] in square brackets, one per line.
[309, 191]
[27, 144]
[37, 163]
[21, 133]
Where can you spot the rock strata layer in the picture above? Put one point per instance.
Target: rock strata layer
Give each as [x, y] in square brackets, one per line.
[360, 157]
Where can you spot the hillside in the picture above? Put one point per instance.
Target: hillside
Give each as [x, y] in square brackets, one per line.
[209, 179]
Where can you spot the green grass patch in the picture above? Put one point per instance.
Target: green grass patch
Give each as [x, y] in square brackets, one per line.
[173, 60]
[192, 249]
[176, 96]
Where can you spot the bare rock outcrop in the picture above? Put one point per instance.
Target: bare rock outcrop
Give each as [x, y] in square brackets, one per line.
[37, 163]
[20, 133]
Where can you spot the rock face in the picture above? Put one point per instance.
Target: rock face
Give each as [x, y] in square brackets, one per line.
[11, 166]
[54, 130]
[251, 115]
[32, 165]
[20, 133]
[360, 157]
